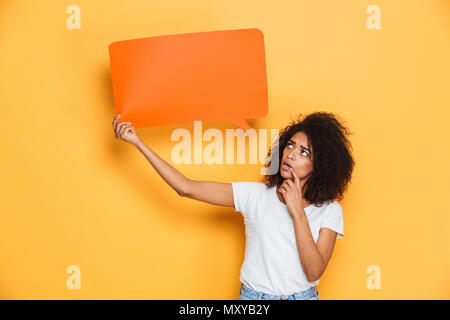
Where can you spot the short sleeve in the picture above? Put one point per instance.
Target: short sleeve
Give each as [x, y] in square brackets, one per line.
[245, 196]
[334, 219]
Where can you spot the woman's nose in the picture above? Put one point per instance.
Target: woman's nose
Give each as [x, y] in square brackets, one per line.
[291, 155]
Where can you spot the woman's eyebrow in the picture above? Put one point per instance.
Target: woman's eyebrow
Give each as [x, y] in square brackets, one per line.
[300, 145]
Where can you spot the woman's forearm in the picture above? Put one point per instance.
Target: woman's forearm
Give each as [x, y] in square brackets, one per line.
[172, 176]
[310, 257]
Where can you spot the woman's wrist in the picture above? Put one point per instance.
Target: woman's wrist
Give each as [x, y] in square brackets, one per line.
[298, 215]
[139, 144]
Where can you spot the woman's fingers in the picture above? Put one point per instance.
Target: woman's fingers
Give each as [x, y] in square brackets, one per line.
[119, 128]
[296, 179]
[118, 125]
[123, 128]
[114, 123]
[291, 183]
[285, 186]
[283, 190]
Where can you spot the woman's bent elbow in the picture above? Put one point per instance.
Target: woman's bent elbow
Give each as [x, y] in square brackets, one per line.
[311, 277]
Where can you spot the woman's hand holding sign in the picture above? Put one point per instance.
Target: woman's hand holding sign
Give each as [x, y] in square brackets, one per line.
[125, 131]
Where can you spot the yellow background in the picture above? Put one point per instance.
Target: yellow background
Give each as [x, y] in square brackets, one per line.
[72, 194]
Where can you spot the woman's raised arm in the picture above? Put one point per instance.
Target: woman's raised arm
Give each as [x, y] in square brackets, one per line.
[217, 193]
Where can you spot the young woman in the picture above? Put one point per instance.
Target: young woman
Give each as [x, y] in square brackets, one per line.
[292, 218]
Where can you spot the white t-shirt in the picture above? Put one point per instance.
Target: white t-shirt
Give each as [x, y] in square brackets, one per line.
[271, 263]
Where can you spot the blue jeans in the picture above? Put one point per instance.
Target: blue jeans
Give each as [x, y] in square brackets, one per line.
[246, 293]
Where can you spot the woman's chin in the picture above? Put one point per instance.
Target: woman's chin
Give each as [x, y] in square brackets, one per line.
[285, 174]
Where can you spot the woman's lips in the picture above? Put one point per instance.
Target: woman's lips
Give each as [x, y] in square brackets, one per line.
[285, 167]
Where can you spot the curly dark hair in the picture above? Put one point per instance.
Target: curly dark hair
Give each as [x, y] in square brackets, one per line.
[332, 160]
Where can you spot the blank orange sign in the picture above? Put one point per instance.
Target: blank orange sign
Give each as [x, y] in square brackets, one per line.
[172, 79]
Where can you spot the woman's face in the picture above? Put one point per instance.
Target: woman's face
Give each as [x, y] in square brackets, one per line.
[298, 155]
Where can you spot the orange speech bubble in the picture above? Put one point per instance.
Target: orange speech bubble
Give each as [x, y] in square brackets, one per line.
[216, 75]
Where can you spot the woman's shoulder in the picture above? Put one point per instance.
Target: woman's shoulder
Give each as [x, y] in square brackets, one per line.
[333, 208]
[336, 205]
[250, 184]
[329, 206]
[250, 187]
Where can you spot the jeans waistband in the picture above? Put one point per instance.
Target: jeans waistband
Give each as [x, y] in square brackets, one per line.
[312, 292]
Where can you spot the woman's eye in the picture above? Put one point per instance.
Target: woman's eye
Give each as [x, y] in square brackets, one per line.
[290, 144]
